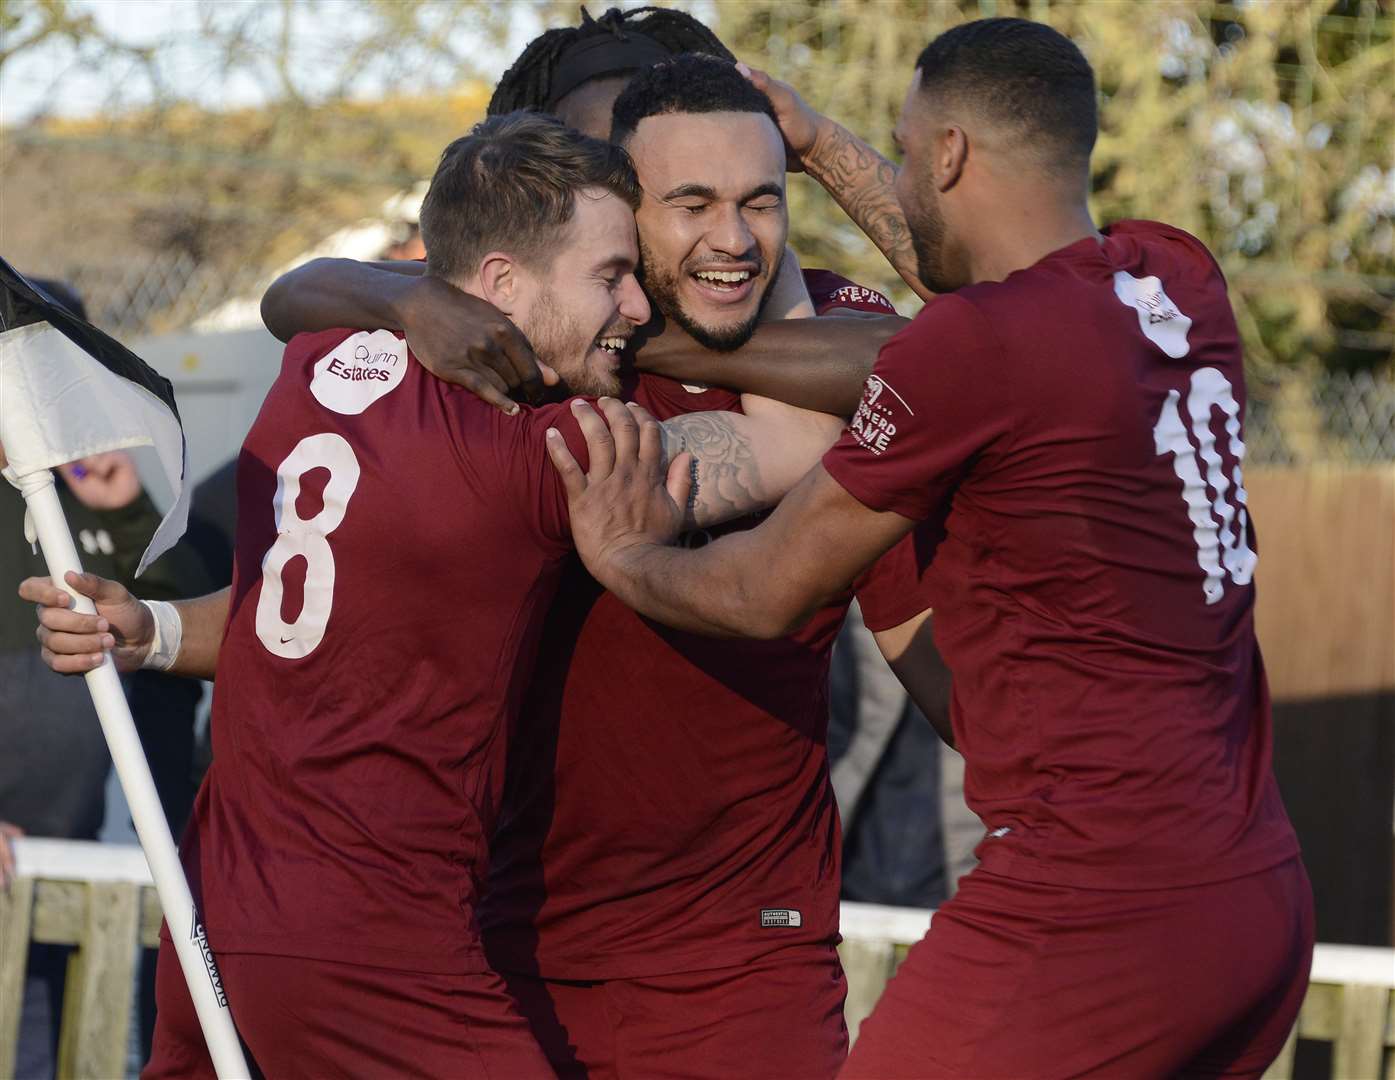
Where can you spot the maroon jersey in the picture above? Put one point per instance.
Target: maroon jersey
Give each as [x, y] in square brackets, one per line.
[398, 542]
[829, 292]
[1071, 440]
[669, 807]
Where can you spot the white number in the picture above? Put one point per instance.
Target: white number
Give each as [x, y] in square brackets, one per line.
[298, 639]
[1218, 551]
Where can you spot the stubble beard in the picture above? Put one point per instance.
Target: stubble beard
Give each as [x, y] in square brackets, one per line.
[662, 289]
[558, 341]
[927, 227]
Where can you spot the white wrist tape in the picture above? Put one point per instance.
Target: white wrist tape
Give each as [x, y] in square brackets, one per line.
[169, 635]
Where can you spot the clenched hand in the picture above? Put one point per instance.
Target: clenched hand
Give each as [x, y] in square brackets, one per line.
[73, 643]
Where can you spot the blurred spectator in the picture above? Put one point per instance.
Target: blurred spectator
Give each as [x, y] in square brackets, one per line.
[55, 763]
[907, 836]
[54, 769]
[213, 524]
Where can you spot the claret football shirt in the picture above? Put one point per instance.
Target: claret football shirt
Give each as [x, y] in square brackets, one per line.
[1072, 441]
[668, 806]
[398, 543]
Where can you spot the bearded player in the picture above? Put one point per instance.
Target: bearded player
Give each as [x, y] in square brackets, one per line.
[638, 808]
[576, 73]
[385, 518]
[1063, 432]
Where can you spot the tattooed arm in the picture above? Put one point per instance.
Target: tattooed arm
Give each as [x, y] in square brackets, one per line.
[863, 183]
[744, 462]
[859, 178]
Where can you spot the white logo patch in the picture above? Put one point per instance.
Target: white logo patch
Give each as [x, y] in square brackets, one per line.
[874, 423]
[359, 371]
[1161, 321]
[780, 917]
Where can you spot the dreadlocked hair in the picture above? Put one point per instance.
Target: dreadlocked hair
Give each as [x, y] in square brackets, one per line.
[528, 83]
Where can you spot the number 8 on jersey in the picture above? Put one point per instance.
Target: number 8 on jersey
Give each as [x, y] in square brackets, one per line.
[307, 539]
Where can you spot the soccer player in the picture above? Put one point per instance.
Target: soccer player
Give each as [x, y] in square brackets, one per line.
[576, 73]
[399, 542]
[704, 790]
[1063, 432]
[664, 891]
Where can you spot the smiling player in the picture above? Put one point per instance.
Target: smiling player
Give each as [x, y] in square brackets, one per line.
[711, 249]
[1065, 426]
[339, 845]
[741, 831]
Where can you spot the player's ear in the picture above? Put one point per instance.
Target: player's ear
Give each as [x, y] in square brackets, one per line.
[500, 281]
[951, 153]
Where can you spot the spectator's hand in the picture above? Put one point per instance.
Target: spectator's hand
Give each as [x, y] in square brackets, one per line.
[799, 123]
[469, 342]
[7, 852]
[73, 643]
[103, 481]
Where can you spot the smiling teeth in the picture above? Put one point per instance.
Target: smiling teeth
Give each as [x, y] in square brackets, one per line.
[730, 277]
[612, 344]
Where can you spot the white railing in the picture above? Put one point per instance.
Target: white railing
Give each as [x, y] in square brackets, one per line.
[99, 897]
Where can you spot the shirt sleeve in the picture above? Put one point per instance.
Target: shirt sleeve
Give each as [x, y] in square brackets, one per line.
[667, 398]
[937, 398]
[897, 586]
[535, 481]
[309, 347]
[830, 291]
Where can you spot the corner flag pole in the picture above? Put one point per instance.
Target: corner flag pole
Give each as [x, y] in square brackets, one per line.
[103, 683]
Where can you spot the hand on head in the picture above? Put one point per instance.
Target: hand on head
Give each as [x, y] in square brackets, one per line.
[73, 642]
[799, 124]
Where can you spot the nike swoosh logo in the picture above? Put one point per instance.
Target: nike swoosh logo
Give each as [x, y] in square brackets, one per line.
[286, 639]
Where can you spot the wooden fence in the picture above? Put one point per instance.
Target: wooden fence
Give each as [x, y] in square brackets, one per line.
[1325, 616]
[99, 898]
[1325, 606]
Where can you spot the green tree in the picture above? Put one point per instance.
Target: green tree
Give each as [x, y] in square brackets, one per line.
[1264, 128]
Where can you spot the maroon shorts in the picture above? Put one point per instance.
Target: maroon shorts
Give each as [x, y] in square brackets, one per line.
[319, 1018]
[776, 1018]
[1019, 979]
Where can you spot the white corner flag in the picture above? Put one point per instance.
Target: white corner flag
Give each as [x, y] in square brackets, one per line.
[67, 391]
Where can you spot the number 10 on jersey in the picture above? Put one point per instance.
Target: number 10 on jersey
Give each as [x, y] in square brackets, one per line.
[1219, 551]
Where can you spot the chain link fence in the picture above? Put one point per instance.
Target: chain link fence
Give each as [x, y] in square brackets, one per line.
[1333, 417]
[156, 294]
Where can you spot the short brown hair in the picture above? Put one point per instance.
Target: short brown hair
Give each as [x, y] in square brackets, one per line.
[510, 185]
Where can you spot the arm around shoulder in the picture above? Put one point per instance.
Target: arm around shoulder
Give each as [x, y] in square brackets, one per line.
[328, 293]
